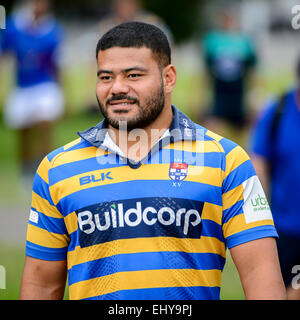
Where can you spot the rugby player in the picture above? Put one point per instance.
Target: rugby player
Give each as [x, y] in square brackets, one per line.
[144, 204]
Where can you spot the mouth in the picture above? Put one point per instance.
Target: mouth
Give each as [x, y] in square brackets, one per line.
[121, 105]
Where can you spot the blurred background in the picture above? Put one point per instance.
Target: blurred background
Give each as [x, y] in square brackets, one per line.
[262, 36]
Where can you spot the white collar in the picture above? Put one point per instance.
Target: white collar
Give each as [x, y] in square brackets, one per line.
[110, 145]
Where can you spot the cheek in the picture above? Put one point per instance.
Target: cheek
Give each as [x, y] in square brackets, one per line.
[148, 89]
[101, 92]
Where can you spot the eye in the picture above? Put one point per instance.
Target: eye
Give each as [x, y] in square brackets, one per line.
[134, 75]
[105, 78]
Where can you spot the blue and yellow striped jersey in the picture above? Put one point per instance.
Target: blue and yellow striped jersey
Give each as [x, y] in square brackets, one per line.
[156, 229]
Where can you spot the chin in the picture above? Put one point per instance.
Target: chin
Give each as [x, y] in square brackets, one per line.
[123, 116]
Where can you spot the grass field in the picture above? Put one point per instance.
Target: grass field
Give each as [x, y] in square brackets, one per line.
[189, 94]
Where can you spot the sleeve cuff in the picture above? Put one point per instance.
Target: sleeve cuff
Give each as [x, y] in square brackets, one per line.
[251, 234]
[44, 253]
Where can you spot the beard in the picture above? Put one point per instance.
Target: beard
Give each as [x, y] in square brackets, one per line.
[147, 112]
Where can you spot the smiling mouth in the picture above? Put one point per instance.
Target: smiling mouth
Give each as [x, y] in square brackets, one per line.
[122, 102]
[121, 105]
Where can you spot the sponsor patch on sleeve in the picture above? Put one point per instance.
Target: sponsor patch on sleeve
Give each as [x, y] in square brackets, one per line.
[33, 216]
[256, 205]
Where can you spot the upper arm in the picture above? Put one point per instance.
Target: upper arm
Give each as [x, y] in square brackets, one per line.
[47, 243]
[47, 234]
[259, 270]
[246, 213]
[248, 226]
[43, 279]
[262, 169]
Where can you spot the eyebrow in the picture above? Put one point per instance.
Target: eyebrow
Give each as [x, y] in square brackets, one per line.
[99, 72]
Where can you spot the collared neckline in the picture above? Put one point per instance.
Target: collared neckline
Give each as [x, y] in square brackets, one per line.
[181, 128]
[181, 122]
[111, 145]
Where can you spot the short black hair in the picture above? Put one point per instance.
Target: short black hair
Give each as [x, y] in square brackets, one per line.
[137, 35]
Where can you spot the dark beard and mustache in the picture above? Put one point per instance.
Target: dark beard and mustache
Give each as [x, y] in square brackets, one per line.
[147, 113]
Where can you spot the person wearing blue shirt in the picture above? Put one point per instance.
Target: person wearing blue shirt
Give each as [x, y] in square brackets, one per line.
[32, 37]
[275, 149]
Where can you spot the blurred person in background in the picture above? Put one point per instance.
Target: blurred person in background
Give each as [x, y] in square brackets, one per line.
[275, 148]
[131, 10]
[229, 56]
[32, 37]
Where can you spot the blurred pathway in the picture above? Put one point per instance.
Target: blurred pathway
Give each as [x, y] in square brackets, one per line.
[13, 224]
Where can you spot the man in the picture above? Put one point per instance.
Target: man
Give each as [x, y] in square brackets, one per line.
[275, 151]
[33, 38]
[150, 220]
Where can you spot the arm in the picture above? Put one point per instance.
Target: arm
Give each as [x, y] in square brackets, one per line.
[43, 280]
[262, 169]
[47, 240]
[259, 270]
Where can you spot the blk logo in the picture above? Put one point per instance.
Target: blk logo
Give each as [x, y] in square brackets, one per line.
[93, 178]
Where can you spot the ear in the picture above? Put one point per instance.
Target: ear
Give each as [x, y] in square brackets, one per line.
[169, 77]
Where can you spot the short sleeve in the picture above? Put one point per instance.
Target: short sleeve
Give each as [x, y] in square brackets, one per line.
[47, 236]
[246, 213]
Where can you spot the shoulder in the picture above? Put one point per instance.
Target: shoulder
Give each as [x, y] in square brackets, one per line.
[267, 112]
[210, 39]
[65, 152]
[58, 28]
[221, 144]
[230, 154]
[235, 162]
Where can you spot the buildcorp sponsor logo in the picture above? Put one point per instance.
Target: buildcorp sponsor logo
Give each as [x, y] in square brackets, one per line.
[118, 217]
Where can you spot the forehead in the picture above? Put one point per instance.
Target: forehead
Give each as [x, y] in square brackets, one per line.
[123, 58]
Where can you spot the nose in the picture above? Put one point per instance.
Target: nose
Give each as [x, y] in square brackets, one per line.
[119, 86]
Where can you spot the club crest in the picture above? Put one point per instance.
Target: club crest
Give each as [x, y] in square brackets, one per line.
[178, 171]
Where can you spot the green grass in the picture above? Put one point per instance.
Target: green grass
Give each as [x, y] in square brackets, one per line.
[231, 288]
[9, 170]
[12, 259]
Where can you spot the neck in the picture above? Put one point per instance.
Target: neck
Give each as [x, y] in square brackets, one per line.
[136, 144]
